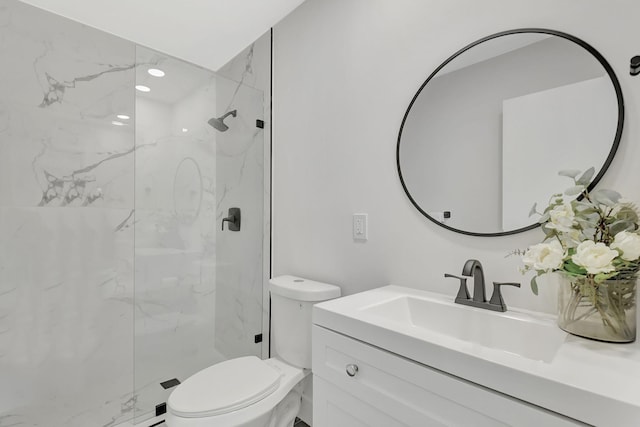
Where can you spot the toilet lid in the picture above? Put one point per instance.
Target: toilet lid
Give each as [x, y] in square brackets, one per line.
[224, 387]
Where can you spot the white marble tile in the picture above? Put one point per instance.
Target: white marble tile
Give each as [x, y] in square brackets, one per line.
[58, 163]
[65, 85]
[66, 289]
[66, 201]
[252, 66]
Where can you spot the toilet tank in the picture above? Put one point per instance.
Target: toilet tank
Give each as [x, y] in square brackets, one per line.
[292, 299]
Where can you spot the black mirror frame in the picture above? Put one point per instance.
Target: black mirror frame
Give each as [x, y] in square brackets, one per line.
[598, 177]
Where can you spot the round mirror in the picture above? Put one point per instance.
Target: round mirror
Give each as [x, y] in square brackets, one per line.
[484, 137]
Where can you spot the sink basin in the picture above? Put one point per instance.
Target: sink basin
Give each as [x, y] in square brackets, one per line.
[526, 335]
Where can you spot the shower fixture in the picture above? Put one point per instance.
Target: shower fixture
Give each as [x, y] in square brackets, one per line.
[219, 122]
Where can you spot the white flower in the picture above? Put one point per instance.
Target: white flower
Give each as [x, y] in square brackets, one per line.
[595, 257]
[561, 217]
[629, 244]
[544, 256]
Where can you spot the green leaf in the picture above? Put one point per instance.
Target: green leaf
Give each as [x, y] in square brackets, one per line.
[606, 197]
[571, 173]
[592, 213]
[619, 226]
[590, 220]
[585, 179]
[574, 191]
[534, 285]
[627, 213]
[573, 268]
[583, 206]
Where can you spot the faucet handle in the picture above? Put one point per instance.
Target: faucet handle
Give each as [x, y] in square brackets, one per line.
[496, 297]
[463, 293]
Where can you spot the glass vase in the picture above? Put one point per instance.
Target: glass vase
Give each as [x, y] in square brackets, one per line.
[604, 311]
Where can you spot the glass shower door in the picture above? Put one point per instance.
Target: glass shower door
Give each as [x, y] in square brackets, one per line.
[240, 183]
[198, 289]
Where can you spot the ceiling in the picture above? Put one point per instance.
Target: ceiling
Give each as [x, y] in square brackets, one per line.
[181, 79]
[206, 32]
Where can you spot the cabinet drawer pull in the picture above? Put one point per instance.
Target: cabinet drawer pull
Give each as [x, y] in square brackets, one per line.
[352, 370]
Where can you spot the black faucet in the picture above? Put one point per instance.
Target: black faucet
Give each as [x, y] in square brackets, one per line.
[473, 268]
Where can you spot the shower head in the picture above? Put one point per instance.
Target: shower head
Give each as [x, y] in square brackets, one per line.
[218, 123]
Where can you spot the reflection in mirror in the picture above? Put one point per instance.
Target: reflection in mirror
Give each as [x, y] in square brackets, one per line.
[187, 191]
[487, 133]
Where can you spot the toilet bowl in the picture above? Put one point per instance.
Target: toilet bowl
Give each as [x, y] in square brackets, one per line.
[247, 391]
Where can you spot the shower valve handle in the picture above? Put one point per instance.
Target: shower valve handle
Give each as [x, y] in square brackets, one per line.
[233, 219]
[230, 219]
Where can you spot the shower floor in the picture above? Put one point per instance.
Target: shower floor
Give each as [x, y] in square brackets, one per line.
[156, 421]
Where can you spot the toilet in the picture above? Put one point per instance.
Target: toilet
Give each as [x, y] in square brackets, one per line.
[248, 391]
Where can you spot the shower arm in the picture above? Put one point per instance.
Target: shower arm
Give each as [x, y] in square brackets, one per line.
[229, 113]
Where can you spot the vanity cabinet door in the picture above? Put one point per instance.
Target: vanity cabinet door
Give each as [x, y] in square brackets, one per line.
[387, 390]
[334, 407]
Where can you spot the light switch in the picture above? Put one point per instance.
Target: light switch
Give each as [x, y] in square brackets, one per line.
[360, 231]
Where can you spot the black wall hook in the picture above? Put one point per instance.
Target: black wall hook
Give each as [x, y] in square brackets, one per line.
[635, 65]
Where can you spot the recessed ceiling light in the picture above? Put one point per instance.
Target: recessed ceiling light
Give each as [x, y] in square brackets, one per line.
[123, 117]
[142, 88]
[155, 72]
[117, 123]
[185, 130]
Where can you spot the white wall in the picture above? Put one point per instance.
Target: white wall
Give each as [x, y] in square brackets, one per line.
[344, 73]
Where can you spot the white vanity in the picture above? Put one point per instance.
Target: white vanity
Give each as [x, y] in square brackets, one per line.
[396, 356]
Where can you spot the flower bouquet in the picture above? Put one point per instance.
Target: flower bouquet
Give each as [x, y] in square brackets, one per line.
[592, 241]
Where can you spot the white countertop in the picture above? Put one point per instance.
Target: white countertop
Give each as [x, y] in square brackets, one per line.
[593, 382]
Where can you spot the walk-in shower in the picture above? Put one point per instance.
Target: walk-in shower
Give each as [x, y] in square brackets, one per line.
[114, 275]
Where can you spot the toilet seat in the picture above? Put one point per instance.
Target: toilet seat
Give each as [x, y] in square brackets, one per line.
[225, 387]
[290, 378]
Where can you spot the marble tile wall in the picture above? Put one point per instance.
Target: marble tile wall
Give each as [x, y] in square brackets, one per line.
[66, 236]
